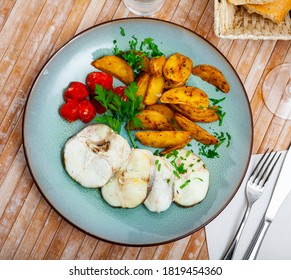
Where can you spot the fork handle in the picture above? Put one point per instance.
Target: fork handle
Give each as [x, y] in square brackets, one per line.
[228, 255]
[256, 242]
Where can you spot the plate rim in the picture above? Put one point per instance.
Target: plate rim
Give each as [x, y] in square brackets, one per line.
[75, 37]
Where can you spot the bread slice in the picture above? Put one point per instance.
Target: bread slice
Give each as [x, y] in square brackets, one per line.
[275, 11]
[243, 2]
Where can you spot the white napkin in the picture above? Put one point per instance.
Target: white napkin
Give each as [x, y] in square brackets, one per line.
[277, 242]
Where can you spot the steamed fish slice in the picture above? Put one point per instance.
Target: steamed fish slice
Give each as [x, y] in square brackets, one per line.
[160, 197]
[84, 166]
[191, 185]
[130, 185]
[118, 153]
[93, 155]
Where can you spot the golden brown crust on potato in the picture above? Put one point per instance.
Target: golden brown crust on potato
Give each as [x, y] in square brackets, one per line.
[152, 120]
[178, 68]
[162, 139]
[154, 90]
[197, 114]
[197, 132]
[211, 75]
[115, 66]
[186, 95]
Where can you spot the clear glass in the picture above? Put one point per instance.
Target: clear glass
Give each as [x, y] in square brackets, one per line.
[144, 7]
[276, 91]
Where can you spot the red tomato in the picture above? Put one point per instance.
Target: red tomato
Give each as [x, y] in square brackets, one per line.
[120, 91]
[99, 78]
[77, 91]
[86, 111]
[100, 109]
[70, 110]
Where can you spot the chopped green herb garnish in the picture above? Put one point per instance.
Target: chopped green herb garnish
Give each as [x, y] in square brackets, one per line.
[159, 167]
[211, 151]
[118, 110]
[176, 174]
[122, 32]
[197, 178]
[134, 56]
[220, 114]
[216, 101]
[185, 184]
[156, 152]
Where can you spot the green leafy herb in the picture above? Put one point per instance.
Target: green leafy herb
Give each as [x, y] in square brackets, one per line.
[122, 32]
[211, 151]
[216, 101]
[136, 53]
[118, 110]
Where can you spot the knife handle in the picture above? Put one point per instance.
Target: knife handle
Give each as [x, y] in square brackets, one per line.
[256, 242]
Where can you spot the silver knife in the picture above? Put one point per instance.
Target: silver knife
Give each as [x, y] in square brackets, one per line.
[281, 191]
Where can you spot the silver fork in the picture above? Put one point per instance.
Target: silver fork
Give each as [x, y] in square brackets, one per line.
[254, 189]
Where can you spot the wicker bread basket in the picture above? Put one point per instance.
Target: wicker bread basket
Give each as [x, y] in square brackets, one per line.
[234, 22]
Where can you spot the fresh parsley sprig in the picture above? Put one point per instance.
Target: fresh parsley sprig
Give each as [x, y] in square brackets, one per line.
[136, 53]
[119, 111]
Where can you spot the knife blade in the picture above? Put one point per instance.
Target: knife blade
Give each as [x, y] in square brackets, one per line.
[281, 189]
[280, 192]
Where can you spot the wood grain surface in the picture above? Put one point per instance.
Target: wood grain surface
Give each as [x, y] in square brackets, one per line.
[30, 32]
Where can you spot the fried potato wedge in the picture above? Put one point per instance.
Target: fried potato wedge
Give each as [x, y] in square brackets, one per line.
[211, 75]
[142, 82]
[177, 147]
[163, 109]
[169, 84]
[162, 139]
[197, 114]
[186, 95]
[178, 68]
[197, 132]
[115, 66]
[155, 89]
[152, 120]
[156, 65]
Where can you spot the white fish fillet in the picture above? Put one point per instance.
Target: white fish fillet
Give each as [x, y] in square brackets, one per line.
[93, 155]
[130, 185]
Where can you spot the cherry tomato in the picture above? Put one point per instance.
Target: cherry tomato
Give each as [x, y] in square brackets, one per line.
[100, 109]
[120, 91]
[86, 111]
[77, 91]
[99, 78]
[70, 110]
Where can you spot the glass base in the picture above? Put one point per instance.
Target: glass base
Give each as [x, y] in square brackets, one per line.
[277, 91]
[143, 8]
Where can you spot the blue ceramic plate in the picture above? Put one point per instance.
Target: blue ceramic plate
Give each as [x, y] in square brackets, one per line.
[45, 134]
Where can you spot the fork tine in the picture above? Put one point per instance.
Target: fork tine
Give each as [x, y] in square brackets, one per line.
[260, 165]
[264, 178]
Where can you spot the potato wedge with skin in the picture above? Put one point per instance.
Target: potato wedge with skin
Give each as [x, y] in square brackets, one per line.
[156, 65]
[178, 68]
[115, 66]
[169, 84]
[163, 109]
[162, 139]
[211, 75]
[186, 95]
[152, 120]
[177, 147]
[155, 89]
[197, 132]
[142, 82]
[197, 114]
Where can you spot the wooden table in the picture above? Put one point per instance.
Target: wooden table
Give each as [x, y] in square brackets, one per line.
[30, 32]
